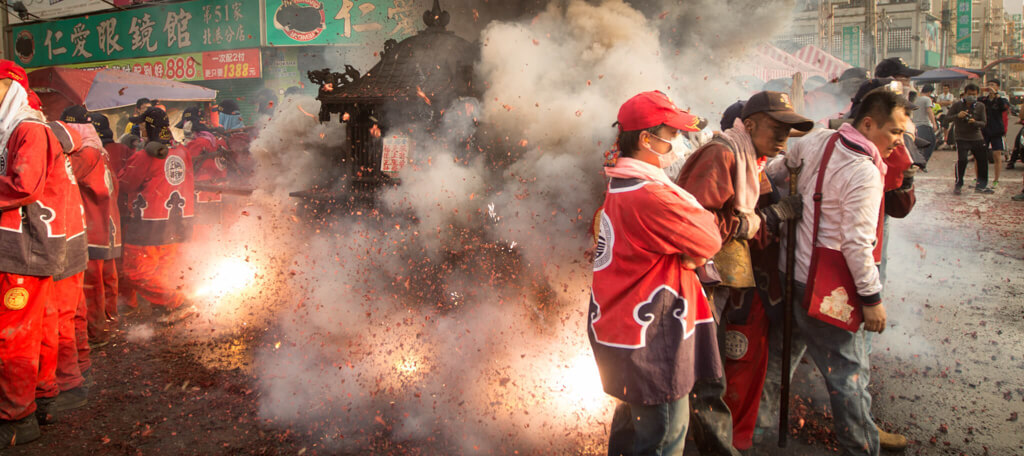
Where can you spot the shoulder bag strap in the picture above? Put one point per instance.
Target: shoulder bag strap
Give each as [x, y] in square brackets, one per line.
[829, 149]
[813, 267]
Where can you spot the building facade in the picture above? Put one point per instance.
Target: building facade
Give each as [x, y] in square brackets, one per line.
[922, 32]
[248, 51]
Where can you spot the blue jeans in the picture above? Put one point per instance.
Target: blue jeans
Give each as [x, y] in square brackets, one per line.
[649, 430]
[842, 358]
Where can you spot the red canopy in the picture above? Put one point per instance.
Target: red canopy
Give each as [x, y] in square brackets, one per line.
[827, 63]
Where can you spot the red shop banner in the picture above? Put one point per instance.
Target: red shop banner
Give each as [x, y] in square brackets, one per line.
[233, 64]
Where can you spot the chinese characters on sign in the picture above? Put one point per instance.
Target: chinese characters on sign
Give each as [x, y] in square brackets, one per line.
[182, 67]
[198, 66]
[351, 22]
[396, 153]
[244, 63]
[142, 32]
[851, 45]
[963, 26]
[196, 26]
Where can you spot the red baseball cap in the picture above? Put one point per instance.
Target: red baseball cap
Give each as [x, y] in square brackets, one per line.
[650, 109]
[12, 71]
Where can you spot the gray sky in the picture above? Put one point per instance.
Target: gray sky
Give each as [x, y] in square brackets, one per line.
[1012, 6]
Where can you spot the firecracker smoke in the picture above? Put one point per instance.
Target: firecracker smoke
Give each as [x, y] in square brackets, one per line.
[449, 316]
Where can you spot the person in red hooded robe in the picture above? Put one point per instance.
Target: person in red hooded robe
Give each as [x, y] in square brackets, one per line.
[99, 188]
[61, 385]
[105, 274]
[33, 242]
[211, 167]
[157, 185]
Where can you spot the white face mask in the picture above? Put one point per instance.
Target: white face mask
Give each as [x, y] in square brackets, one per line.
[668, 158]
[682, 146]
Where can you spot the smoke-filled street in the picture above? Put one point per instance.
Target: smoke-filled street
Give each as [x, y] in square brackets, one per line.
[947, 373]
[422, 227]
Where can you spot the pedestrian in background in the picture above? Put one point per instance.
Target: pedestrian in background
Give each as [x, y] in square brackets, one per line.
[969, 118]
[997, 110]
[924, 119]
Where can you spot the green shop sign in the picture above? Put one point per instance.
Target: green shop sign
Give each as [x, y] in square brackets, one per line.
[963, 26]
[340, 22]
[851, 45]
[174, 28]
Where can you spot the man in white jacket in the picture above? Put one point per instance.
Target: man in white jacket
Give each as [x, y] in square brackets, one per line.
[850, 202]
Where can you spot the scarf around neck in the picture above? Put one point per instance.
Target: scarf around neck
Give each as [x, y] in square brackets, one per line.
[746, 180]
[13, 110]
[855, 136]
[631, 168]
[88, 133]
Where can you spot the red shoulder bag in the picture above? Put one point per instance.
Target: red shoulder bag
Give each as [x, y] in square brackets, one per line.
[831, 292]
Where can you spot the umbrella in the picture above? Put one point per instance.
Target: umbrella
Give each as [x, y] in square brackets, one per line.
[108, 89]
[944, 74]
[978, 73]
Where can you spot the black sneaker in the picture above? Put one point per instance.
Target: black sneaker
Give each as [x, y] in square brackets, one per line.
[984, 190]
[125, 312]
[44, 411]
[958, 189]
[18, 432]
[70, 399]
[177, 314]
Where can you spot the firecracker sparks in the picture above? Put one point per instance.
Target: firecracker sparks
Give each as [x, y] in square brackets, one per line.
[422, 95]
[576, 385]
[305, 112]
[226, 277]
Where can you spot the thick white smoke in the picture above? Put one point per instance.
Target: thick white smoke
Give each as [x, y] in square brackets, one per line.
[451, 317]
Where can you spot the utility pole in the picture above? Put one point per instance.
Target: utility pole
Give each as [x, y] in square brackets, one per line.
[823, 39]
[946, 23]
[872, 28]
[984, 36]
[5, 38]
[831, 26]
[885, 24]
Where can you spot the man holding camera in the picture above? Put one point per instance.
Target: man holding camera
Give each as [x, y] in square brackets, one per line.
[969, 119]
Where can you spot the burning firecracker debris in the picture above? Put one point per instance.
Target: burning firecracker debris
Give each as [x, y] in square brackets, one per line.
[409, 277]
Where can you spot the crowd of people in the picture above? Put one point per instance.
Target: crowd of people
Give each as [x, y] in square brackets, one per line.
[88, 220]
[694, 264]
[975, 124]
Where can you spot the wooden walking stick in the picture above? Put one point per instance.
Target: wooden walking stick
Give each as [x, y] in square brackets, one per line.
[787, 310]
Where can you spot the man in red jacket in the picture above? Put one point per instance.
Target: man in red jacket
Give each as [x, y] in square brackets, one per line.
[210, 168]
[61, 385]
[158, 185]
[118, 154]
[103, 223]
[649, 320]
[727, 177]
[33, 188]
[99, 189]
